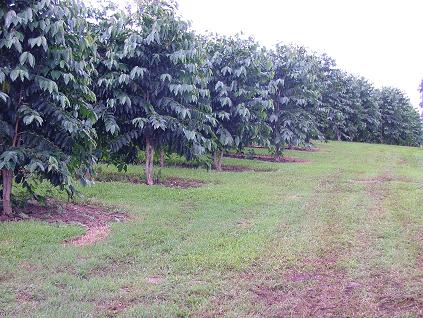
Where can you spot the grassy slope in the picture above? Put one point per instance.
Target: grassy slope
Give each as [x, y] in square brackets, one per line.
[352, 215]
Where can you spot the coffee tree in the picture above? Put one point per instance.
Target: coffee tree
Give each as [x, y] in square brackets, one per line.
[151, 87]
[238, 79]
[400, 122]
[367, 117]
[421, 94]
[295, 94]
[45, 98]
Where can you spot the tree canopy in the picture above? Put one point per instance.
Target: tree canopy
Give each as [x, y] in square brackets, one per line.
[46, 99]
[237, 83]
[151, 87]
[81, 84]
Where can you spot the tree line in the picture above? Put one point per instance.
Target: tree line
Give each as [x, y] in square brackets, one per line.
[81, 84]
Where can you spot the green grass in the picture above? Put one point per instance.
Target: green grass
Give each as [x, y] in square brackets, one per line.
[211, 246]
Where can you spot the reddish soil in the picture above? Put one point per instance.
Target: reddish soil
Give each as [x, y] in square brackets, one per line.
[93, 235]
[229, 168]
[297, 148]
[155, 280]
[318, 292]
[325, 291]
[307, 149]
[24, 296]
[318, 286]
[171, 182]
[232, 168]
[385, 178]
[182, 183]
[94, 218]
[269, 158]
[114, 307]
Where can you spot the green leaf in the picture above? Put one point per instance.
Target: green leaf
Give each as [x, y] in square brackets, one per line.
[125, 100]
[38, 41]
[29, 115]
[35, 165]
[4, 97]
[22, 73]
[10, 18]
[137, 72]
[165, 77]
[27, 56]
[189, 134]
[46, 84]
[124, 78]
[67, 78]
[14, 75]
[53, 164]
[8, 160]
[139, 122]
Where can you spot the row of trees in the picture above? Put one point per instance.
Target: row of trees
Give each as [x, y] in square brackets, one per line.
[80, 84]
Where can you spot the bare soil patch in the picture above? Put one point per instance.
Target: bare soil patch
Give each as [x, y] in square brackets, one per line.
[171, 182]
[234, 168]
[318, 289]
[183, 183]
[93, 235]
[307, 149]
[328, 291]
[268, 158]
[319, 286]
[230, 168]
[71, 213]
[155, 280]
[402, 162]
[297, 148]
[94, 219]
[384, 178]
[114, 307]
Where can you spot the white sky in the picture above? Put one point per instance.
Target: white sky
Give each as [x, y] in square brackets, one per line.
[381, 40]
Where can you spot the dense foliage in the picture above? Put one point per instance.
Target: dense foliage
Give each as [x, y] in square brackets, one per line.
[45, 98]
[421, 94]
[400, 124]
[151, 87]
[77, 82]
[295, 94]
[238, 75]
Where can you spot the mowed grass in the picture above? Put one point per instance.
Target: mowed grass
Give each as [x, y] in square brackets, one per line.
[247, 244]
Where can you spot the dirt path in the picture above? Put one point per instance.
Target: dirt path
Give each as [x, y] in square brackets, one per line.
[318, 284]
[94, 219]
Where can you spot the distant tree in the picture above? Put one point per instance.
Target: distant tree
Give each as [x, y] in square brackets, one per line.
[401, 123]
[334, 103]
[367, 117]
[351, 107]
[421, 94]
[295, 95]
[238, 79]
[45, 98]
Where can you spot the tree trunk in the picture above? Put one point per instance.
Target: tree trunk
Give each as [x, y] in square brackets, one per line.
[149, 156]
[7, 191]
[338, 135]
[277, 153]
[217, 163]
[162, 158]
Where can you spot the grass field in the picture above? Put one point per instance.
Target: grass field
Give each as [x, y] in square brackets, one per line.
[339, 236]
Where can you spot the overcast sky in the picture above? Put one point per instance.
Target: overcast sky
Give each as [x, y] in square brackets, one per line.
[379, 39]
